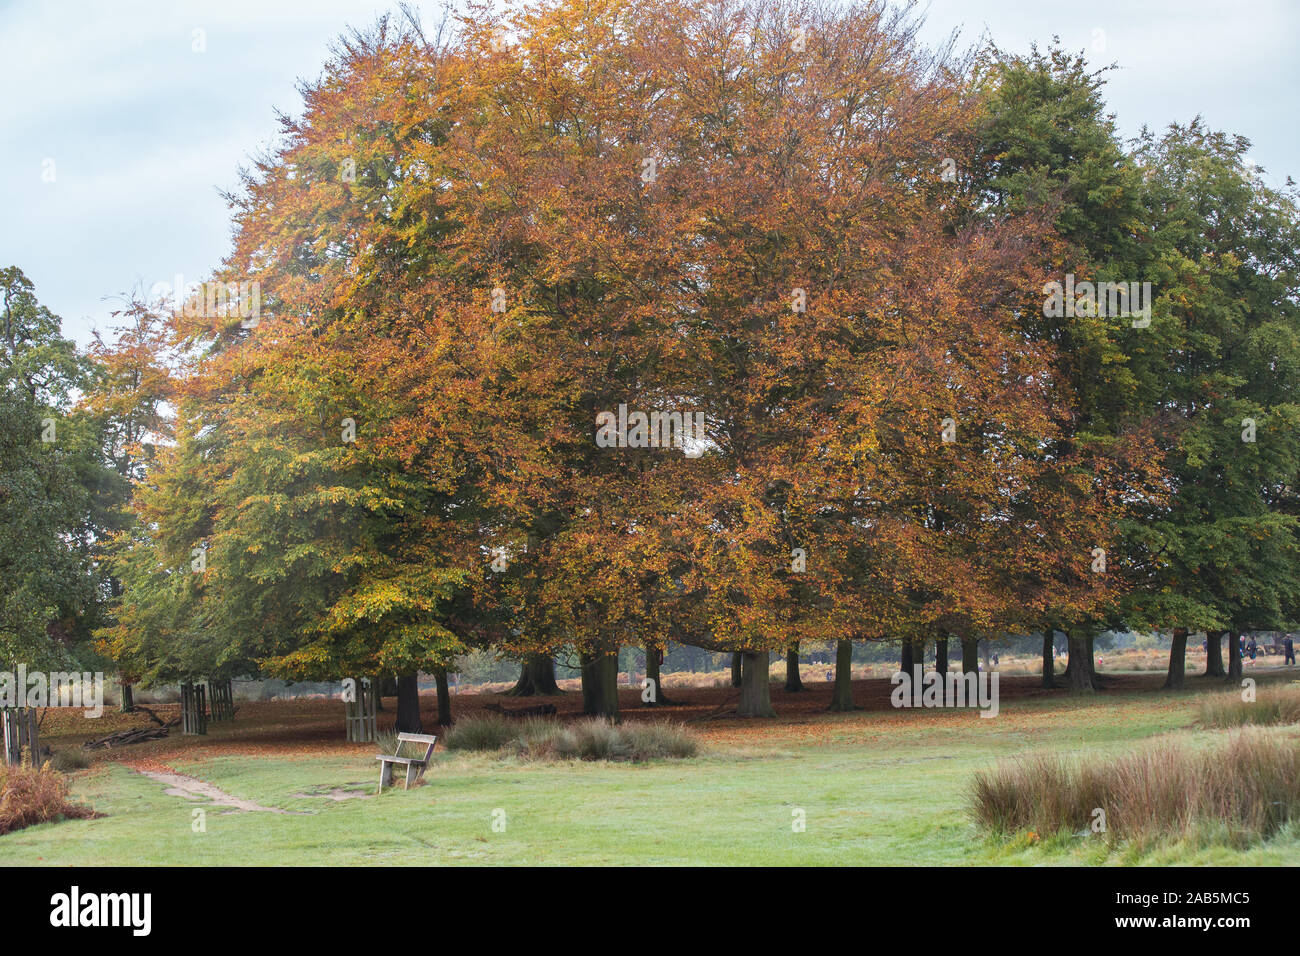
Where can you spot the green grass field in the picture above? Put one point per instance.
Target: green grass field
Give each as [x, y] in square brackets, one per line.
[874, 788]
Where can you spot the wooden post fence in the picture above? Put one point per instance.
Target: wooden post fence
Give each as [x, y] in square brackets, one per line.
[221, 699]
[360, 712]
[194, 710]
[18, 729]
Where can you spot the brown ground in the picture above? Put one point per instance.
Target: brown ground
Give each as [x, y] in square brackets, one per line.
[314, 726]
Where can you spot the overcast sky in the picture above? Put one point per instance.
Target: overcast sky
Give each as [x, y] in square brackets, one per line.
[143, 132]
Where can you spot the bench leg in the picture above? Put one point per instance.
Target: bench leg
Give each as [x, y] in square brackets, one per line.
[385, 775]
[412, 774]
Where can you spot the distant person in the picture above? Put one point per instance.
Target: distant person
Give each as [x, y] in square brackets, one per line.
[1251, 648]
[995, 660]
[1241, 646]
[1289, 649]
[830, 674]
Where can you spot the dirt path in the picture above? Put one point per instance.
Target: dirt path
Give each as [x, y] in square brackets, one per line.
[192, 788]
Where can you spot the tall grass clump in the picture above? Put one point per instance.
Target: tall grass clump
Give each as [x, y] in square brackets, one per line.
[1236, 792]
[488, 732]
[538, 738]
[1273, 705]
[68, 760]
[29, 796]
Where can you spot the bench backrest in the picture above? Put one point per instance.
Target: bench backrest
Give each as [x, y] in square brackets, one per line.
[427, 739]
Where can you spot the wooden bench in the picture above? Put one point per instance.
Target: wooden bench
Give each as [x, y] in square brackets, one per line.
[415, 766]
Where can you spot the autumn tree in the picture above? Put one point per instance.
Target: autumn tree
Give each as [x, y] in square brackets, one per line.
[125, 398]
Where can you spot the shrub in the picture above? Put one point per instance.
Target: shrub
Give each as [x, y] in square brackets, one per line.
[29, 796]
[538, 738]
[1275, 705]
[479, 733]
[542, 739]
[1237, 792]
[660, 739]
[67, 760]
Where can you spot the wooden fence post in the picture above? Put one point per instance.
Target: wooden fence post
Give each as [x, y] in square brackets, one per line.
[13, 750]
[33, 738]
[30, 726]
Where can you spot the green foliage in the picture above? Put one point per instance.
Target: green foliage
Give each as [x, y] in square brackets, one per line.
[1216, 546]
[48, 464]
[1224, 550]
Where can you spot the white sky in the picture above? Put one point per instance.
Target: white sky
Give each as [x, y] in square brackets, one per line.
[143, 131]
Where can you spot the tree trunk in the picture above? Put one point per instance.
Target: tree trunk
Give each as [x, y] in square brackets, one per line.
[1077, 672]
[387, 688]
[941, 664]
[1091, 658]
[1049, 658]
[755, 691]
[609, 688]
[128, 698]
[600, 685]
[1214, 654]
[657, 698]
[587, 672]
[408, 705]
[793, 683]
[735, 669]
[905, 658]
[536, 676]
[1234, 658]
[970, 655]
[1177, 660]
[444, 697]
[842, 698]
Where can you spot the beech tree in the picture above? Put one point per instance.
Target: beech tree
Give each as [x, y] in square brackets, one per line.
[1221, 554]
[125, 396]
[1047, 147]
